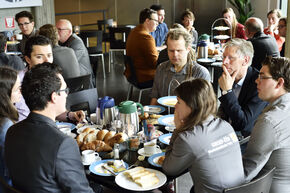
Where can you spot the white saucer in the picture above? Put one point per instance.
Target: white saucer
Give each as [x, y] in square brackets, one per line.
[142, 152]
[96, 159]
[73, 135]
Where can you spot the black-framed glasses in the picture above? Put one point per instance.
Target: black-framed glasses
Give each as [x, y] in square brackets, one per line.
[261, 77]
[66, 90]
[154, 20]
[23, 24]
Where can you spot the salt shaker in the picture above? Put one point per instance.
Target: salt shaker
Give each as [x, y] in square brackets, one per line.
[116, 151]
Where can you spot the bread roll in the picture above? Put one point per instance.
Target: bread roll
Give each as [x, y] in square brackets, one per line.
[118, 138]
[108, 136]
[80, 139]
[91, 136]
[87, 130]
[160, 160]
[147, 181]
[101, 134]
[97, 145]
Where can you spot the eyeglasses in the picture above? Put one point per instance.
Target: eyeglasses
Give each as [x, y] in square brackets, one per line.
[23, 24]
[261, 77]
[60, 29]
[154, 20]
[66, 90]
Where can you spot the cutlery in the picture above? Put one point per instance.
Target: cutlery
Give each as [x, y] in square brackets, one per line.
[109, 169]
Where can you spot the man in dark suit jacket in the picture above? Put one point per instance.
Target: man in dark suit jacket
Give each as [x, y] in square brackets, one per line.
[39, 157]
[264, 45]
[69, 39]
[240, 104]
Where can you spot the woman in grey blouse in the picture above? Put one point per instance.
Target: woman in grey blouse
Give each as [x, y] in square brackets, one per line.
[205, 145]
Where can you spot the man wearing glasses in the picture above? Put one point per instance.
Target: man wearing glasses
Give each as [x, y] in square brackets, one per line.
[239, 102]
[25, 22]
[161, 30]
[50, 160]
[269, 145]
[141, 48]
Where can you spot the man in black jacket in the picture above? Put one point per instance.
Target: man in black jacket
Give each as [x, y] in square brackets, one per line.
[264, 45]
[240, 104]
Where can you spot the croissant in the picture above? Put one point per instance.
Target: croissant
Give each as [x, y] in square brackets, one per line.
[118, 138]
[97, 145]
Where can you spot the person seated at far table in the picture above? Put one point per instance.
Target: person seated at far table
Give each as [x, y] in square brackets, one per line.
[237, 28]
[205, 145]
[282, 27]
[264, 45]
[269, 145]
[10, 93]
[12, 61]
[187, 20]
[273, 17]
[140, 46]
[63, 56]
[161, 30]
[38, 49]
[180, 66]
[50, 160]
[239, 101]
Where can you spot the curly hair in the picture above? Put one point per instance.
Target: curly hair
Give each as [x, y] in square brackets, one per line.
[49, 31]
[24, 14]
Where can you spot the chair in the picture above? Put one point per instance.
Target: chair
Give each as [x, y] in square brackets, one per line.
[94, 51]
[133, 79]
[83, 100]
[6, 188]
[260, 184]
[118, 38]
[103, 26]
[78, 83]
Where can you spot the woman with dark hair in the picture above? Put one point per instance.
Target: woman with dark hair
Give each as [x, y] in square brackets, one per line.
[187, 19]
[9, 94]
[201, 143]
[238, 30]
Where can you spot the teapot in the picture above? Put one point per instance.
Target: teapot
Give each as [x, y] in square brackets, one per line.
[106, 110]
[202, 46]
[128, 114]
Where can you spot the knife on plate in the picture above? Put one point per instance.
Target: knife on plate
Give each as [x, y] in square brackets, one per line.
[106, 167]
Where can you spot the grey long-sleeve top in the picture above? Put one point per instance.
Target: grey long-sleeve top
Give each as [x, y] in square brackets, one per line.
[211, 152]
[269, 145]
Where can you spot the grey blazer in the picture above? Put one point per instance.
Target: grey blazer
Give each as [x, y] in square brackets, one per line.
[41, 159]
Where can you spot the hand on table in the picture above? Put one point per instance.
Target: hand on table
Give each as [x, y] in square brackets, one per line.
[226, 81]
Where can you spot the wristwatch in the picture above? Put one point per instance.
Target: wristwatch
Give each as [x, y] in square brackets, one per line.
[224, 92]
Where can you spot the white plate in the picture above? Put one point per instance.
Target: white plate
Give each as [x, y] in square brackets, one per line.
[73, 135]
[168, 101]
[142, 152]
[87, 164]
[96, 167]
[65, 124]
[165, 138]
[80, 130]
[206, 60]
[154, 109]
[126, 183]
[167, 120]
[153, 159]
[170, 128]
[221, 37]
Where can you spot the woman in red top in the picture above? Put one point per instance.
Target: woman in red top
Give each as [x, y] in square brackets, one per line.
[237, 28]
[272, 28]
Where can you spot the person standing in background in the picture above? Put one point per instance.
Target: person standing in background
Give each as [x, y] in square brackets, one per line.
[161, 30]
[282, 27]
[25, 22]
[273, 19]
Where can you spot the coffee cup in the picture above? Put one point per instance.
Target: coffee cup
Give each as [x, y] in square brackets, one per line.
[93, 117]
[150, 147]
[65, 130]
[89, 156]
[19, 36]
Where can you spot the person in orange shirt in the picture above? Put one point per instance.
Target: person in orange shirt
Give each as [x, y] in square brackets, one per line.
[272, 28]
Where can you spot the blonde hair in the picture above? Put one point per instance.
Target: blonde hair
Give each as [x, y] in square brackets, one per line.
[234, 21]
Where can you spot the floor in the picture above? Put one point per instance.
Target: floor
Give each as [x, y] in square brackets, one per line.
[115, 85]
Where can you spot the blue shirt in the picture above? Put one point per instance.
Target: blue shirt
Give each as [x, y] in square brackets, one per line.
[160, 34]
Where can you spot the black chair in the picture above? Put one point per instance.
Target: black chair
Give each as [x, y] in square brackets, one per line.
[132, 79]
[83, 100]
[117, 37]
[96, 50]
[103, 26]
[260, 184]
[6, 188]
[78, 83]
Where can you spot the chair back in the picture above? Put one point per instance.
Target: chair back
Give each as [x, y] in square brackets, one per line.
[6, 188]
[96, 36]
[118, 37]
[261, 184]
[78, 83]
[128, 61]
[103, 26]
[83, 100]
